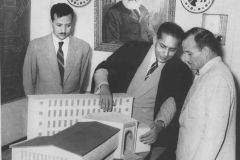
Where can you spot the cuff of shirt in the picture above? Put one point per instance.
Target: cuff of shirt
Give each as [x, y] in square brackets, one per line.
[97, 90]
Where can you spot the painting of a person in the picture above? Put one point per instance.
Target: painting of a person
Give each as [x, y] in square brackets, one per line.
[125, 21]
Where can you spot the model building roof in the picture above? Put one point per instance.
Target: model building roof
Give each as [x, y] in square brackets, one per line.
[80, 138]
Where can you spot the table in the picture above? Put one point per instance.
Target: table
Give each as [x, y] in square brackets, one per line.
[7, 155]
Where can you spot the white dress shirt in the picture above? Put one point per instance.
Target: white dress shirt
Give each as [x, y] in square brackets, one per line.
[64, 47]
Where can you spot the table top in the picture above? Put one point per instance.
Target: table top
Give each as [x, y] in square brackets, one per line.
[7, 155]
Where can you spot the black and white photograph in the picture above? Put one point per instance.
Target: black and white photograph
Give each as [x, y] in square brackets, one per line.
[120, 79]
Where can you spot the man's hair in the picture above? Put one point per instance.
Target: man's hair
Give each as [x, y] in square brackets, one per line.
[172, 29]
[61, 9]
[205, 38]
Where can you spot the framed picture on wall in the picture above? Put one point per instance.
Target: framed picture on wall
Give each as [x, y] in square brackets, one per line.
[217, 24]
[119, 21]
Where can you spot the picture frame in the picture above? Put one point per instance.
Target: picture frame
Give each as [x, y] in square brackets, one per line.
[165, 9]
[217, 24]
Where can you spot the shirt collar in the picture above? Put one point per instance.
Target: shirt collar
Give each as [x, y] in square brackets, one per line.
[209, 65]
[56, 40]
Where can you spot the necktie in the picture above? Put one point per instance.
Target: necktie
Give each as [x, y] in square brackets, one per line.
[137, 15]
[152, 68]
[60, 59]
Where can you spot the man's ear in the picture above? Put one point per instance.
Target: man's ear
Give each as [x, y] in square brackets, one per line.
[206, 51]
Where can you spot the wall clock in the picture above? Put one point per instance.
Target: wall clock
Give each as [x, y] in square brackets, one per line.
[79, 3]
[197, 6]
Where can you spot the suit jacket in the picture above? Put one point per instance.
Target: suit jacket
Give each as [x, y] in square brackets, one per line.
[208, 118]
[174, 82]
[120, 25]
[40, 71]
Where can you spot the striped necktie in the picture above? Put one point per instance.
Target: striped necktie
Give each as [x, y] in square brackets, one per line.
[152, 68]
[60, 59]
[136, 13]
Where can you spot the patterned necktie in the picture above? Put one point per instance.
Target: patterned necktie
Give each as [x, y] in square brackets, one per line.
[152, 68]
[60, 59]
[137, 15]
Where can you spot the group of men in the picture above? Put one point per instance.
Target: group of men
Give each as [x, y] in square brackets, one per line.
[190, 105]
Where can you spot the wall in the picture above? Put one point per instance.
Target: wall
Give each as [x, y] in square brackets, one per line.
[14, 121]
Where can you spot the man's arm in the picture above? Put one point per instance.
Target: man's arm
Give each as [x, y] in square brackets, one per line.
[102, 88]
[119, 68]
[29, 71]
[173, 86]
[167, 111]
[163, 119]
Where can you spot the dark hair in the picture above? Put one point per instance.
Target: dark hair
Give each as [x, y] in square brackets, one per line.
[61, 9]
[204, 37]
[172, 29]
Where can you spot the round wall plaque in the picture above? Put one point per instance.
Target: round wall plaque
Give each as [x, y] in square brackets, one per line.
[79, 3]
[197, 6]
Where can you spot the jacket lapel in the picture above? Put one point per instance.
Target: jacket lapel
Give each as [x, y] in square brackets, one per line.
[51, 57]
[135, 15]
[70, 61]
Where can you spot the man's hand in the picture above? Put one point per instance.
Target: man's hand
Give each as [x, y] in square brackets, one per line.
[151, 136]
[106, 98]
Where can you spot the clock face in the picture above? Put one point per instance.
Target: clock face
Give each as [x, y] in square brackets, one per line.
[79, 3]
[197, 6]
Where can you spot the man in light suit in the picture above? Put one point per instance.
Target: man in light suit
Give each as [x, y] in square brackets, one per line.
[159, 94]
[208, 117]
[57, 63]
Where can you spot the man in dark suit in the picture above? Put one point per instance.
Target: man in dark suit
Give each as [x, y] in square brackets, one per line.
[57, 63]
[157, 79]
[125, 21]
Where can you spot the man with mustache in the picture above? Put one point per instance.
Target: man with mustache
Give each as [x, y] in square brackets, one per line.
[57, 63]
[208, 117]
[154, 75]
[125, 21]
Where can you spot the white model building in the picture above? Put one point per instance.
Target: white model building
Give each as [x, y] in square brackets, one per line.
[82, 141]
[51, 115]
[127, 134]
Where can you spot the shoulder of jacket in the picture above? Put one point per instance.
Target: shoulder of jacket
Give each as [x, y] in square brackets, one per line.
[141, 44]
[77, 41]
[40, 40]
[176, 64]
